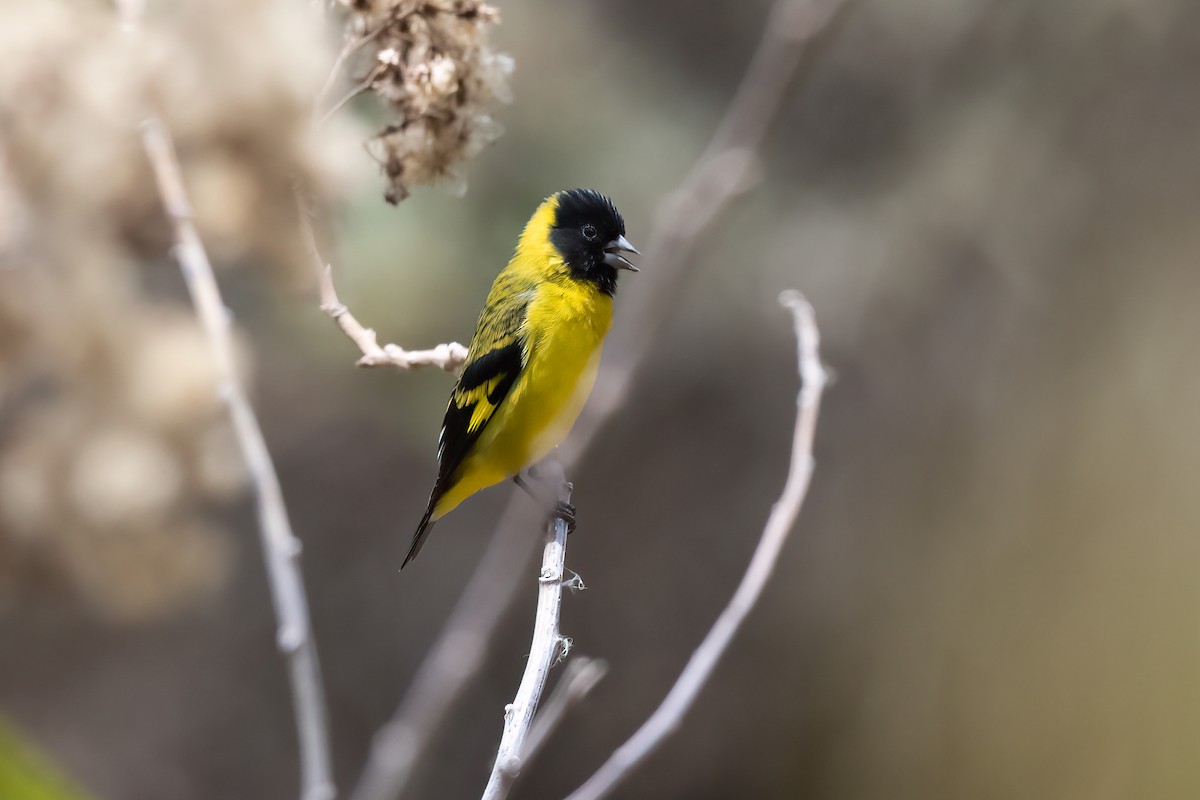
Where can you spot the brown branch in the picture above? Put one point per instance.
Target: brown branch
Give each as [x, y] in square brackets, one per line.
[348, 50]
[668, 716]
[721, 174]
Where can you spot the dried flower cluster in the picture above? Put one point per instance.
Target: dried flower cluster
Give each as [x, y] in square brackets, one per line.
[431, 63]
[111, 436]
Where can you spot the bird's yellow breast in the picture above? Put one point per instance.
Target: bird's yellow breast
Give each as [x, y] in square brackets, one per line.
[567, 324]
[564, 332]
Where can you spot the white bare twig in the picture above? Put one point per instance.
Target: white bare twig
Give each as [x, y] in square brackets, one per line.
[456, 656]
[668, 716]
[449, 357]
[547, 648]
[281, 548]
[718, 177]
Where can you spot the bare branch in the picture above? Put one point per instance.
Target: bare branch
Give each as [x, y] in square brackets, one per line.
[723, 172]
[456, 656]
[727, 169]
[667, 718]
[449, 357]
[281, 548]
[545, 651]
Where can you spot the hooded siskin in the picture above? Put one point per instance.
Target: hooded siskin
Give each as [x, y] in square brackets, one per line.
[533, 359]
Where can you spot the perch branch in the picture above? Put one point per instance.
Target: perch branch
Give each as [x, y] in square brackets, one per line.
[448, 666]
[668, 716]
[459, 652]
[281, 548]
[547, 649]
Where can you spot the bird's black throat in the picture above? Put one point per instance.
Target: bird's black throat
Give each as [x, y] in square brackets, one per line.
[584, 222]
[586, 265]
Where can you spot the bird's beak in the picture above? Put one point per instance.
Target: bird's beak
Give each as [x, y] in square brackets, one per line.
[613, 251]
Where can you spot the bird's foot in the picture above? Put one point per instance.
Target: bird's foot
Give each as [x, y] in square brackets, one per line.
[566, 512]
[561, 508]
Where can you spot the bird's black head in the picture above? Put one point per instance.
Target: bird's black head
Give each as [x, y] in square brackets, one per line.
[590, 235]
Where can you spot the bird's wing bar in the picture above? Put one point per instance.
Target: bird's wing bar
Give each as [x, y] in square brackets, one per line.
[494, 362]
[483, 386]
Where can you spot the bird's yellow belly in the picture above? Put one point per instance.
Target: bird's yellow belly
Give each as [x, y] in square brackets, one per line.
[545, 401]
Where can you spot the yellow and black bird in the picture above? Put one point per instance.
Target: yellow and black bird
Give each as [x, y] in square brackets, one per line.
[533, 359]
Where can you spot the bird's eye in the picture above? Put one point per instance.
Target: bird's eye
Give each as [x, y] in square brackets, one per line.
[589, 232]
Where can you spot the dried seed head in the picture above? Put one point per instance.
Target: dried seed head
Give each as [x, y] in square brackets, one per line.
[432, 65]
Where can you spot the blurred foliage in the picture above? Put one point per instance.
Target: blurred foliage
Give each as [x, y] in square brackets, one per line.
[992, 592]
[113, 435]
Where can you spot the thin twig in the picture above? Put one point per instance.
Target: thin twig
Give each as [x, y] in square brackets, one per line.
[449, 357]
[547, 648]
[350, 48]
[281, 548]
[727, 169]
[715, 180]
[366, 84]
[668, 716]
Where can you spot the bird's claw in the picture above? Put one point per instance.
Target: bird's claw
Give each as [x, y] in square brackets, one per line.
[566, 512]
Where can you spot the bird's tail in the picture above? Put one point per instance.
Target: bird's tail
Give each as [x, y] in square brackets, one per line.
[419, 537]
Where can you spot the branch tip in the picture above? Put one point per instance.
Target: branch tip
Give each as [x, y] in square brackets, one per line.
[669, 715]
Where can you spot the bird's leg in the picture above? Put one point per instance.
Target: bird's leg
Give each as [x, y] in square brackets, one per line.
[564, 511]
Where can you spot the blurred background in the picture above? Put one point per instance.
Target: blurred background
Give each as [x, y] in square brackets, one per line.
[992, 591]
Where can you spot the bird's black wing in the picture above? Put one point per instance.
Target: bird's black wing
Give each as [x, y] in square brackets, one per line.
[482, 388]
[494, 362]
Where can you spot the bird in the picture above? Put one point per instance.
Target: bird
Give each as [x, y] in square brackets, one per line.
[532, 361]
